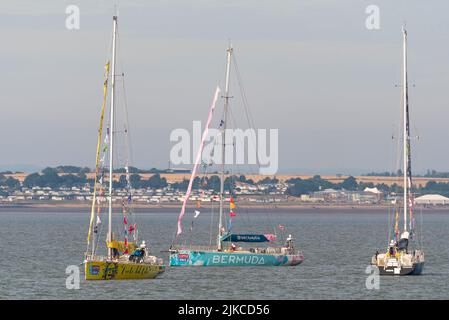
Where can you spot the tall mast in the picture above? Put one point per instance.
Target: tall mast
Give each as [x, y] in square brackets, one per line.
[111, 133]
[223, 152]
[405, 123]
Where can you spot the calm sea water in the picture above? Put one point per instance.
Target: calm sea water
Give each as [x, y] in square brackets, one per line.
[37, 247]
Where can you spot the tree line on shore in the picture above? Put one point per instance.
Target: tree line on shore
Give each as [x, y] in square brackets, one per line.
[300, 186]
[51, 177]
[429, 174]
[76, 177]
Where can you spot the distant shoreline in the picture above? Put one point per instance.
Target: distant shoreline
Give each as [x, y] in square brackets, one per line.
[336, 178]
[300, 208]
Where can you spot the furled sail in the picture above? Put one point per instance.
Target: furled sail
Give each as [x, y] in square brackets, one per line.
[197, 161]
[97, 158]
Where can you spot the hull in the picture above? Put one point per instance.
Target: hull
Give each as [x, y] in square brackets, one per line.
[405, 264]
[226, 259]
[416, 269]
[111, 270]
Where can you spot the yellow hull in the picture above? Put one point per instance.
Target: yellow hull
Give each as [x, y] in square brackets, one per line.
[120, 270]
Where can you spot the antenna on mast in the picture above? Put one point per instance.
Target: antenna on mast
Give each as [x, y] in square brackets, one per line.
[116, 8]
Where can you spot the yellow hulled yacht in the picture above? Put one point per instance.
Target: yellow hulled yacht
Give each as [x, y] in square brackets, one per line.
[119, 257]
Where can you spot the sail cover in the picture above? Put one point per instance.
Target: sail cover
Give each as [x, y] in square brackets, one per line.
[246, 238]
[197, 161]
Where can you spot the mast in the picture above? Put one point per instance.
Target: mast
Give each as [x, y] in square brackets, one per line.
[111, 133]
[405, 123]
[223, 152]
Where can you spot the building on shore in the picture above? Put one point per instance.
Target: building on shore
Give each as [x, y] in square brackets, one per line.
[432, 199]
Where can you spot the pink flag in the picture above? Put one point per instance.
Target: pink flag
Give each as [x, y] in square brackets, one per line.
[270, 236]
[197, 161]
[231, 214]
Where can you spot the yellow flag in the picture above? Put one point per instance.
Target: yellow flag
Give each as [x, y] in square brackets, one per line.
[231, 203]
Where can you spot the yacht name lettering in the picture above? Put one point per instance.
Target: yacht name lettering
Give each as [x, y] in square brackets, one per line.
[237, 259]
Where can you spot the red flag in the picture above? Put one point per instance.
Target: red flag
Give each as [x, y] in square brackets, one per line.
[231, 214]
[125, 245]
[131, 228]
[124, 220]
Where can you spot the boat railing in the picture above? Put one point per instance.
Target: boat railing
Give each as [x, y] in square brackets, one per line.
[125, 258]
[193, 248]
[268, 250]
[418, 256]
[96, 258]
[278, 250]
[106, 258]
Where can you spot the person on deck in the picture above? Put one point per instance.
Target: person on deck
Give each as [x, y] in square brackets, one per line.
[143, 246]
[289, 241]
[288, 247]
[392, 250]
[138, 254]
[115, 253]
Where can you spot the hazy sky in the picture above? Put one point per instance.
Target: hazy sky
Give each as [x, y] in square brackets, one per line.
[310, 68]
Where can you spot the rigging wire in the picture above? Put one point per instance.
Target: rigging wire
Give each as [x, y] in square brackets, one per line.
[251, 123]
